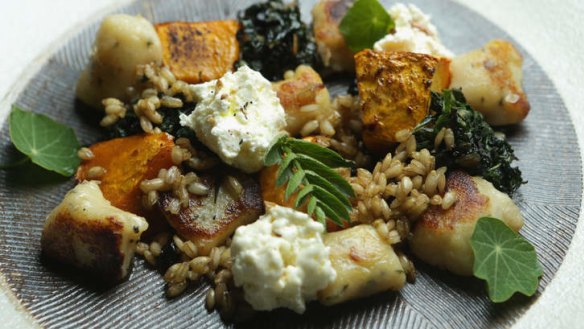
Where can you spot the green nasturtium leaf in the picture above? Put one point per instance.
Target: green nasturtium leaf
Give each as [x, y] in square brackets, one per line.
[504, 259]
[47, 143]
[365, 23]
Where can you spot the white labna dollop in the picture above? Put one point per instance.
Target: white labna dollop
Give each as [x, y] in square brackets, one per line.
[237, 117]
[413, 32]
[281, 261]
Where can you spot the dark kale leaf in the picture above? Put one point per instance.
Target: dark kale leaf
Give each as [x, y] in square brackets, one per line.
[127, 126]
[130, 124]
[171, 121]
[273, 39]
[353, 88]
[478, 150]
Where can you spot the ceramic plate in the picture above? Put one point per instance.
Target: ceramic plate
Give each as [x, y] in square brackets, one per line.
[550, 202]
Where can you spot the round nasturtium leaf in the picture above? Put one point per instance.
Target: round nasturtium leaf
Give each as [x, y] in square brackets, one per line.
[365, 22]
[504, 259]
[47, 143]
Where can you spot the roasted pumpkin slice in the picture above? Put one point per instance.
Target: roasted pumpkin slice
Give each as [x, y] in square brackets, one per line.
[127, 162]
[395, 92]
[199, 51]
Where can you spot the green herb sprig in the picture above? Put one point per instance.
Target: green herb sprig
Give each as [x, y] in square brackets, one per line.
[504, 259]
[308, 168]
[365, 23]
[45, 142]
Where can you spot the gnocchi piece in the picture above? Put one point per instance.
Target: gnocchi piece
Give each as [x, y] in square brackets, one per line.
[365, 264]
[326, 17]
[87, 232]
[304, 98]
[490, 79]
[212, 218]
[122, 43]
[442, 237]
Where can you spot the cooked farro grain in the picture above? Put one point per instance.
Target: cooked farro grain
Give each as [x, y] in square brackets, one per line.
[190, 249]
[141, 247]
[220, 292]
[309, 128]
[175, 289]
[178, 155]
[155, 248]
[200, 264]
[167, 74]
[146, 125]
[177, 272]
[439, 138]
[402, 135]
[393, 237]
[115, 110]
[155, 82]
[150, 199]
[186, 144]
[233, 186]
[96, 172]
[449, 139]
[178, 242]
[202, 162]
[310, 108]
[171, 102]
[226, 259]
[436, 200]
[215, 257]
[431, 183]
[172, 175]
[155, 184]
[149, 257]
[173, 206]
[411, 145]
[149, 92]
[108, 120]
[448, 200]
[210, 300]
[85, 154]
[223, 276]
[418, 182]
[408, 267]
[197, 188]
[326, 128]
[401, 184]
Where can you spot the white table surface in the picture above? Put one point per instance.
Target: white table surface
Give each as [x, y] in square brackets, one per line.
[552, 31]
